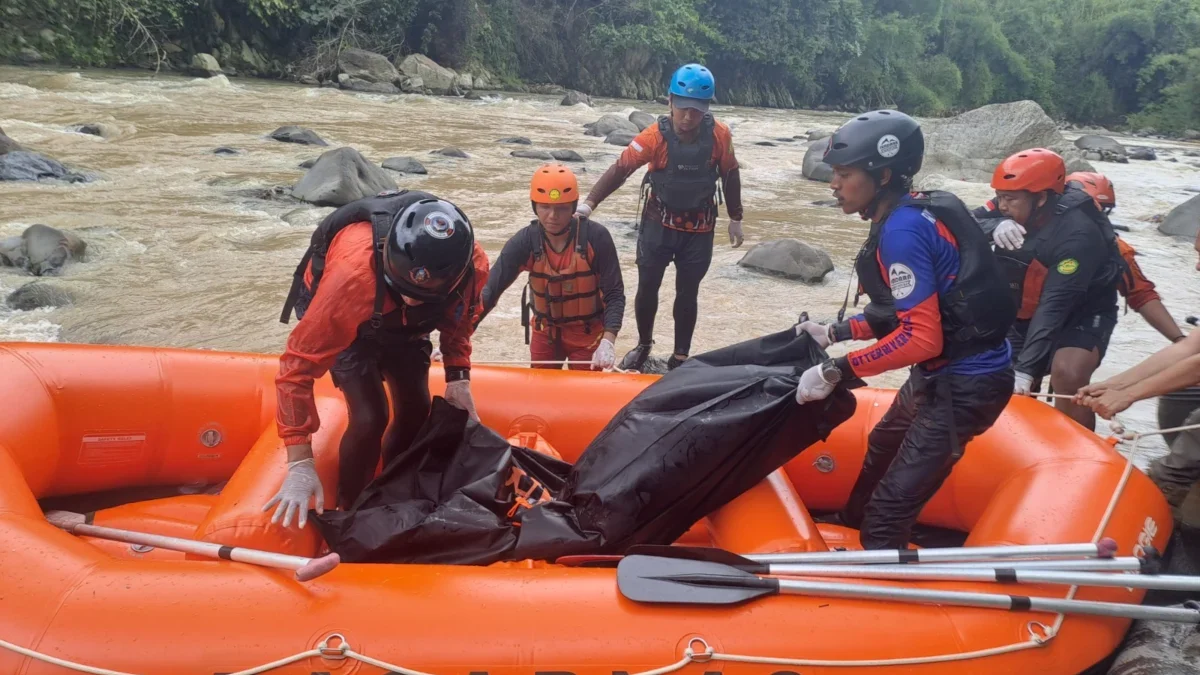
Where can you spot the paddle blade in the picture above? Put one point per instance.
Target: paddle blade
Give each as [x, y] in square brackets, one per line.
[701, 553]
[688, 582]
[318, 567]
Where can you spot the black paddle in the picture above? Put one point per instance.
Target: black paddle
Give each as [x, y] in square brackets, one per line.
[671, 581]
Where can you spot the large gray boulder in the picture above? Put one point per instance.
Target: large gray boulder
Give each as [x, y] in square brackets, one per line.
[642, 119]
[575, 98]
[533, 154]
[36, 295]
[355, 84]
[295, 134]
[47, 250]
[26, 165]
[1183, 220]
[813, 168]
[435, 78]
[790, 258]
[368, 66]
[620, 137]
[404, 165]
[341, 176]
[610, 123]
[1144, 154]
[566, 155]
[450, 151]
[205, 65]
[1101, 144]
[1159, 648]
[970, 145]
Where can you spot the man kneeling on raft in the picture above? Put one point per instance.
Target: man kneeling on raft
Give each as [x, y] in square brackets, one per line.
[382, 273]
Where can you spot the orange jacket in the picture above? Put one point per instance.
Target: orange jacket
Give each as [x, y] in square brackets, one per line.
[1142, 290]
[344, 301]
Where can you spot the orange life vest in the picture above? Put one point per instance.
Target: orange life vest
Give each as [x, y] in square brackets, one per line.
[563, 287]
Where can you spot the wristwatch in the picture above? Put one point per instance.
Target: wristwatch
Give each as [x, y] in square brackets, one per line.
[830, 373]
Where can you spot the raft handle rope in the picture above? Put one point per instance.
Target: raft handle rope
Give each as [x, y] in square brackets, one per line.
[1039, 633]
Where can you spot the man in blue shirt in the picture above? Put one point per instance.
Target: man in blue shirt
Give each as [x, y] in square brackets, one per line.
[938, 304]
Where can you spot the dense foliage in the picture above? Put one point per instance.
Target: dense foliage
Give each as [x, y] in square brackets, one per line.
[1135, 61]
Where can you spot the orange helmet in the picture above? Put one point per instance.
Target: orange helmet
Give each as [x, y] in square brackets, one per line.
[1098, 186]
[1036, 170]
[554, 184]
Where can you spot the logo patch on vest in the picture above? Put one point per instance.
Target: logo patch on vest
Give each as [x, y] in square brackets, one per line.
[888, 146]
[439, 226]
[902, 280]
[419, 275]
[1068, 266]
[636, 146]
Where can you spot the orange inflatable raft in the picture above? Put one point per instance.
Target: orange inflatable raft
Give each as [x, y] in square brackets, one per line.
[86, 419]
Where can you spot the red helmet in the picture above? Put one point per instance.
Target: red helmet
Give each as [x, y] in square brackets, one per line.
[1097, 185]
[1036, 170]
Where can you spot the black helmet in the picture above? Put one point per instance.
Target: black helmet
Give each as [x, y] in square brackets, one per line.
[882, 139]
[429, 250]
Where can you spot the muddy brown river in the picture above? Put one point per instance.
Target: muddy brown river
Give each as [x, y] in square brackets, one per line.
[181, 256]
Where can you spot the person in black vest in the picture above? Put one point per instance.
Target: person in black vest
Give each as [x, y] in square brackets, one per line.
[576, 293]
[1061, 257]
[380, 275]
[938, 304]
[688, 153]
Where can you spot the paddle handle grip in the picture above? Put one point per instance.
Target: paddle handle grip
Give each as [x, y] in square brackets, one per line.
[306, 568]
[990, 601]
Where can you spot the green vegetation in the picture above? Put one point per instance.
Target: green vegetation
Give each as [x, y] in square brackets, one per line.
[1109, 61]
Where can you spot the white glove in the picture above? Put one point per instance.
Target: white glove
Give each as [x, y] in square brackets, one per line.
[458, 394]
[300, 486]
[813, 386]
[436, 355]
[1022, 384]
[583, 210]
[605, 355]
[817, 331]
[1009, 235]
[735, 233]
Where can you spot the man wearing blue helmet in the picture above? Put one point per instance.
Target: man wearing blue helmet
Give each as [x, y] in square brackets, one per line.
[688, 152]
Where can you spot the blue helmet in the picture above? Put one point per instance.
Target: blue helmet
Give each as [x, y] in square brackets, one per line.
[693, 81]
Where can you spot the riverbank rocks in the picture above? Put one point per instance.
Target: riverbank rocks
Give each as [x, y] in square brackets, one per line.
[223, 150]
[365, 87]
[361, 64]
[818, 134]
[813, 167]
[295, 134]
[642, 119]
[1143, 154]
[434, 78]
[515, 140]
[969, 146]
[41, 250]
[610, 123]
[205, 65]
[566, 155]
[26, 165]
[620, 137]
[450, 151]
[38, 294]
[1159, 648]
[533, 154]
[1102, 148]
[1183, 220]
[404, 165]
[339, 177]
[575, 98]
[7, 144]
[789, 258]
